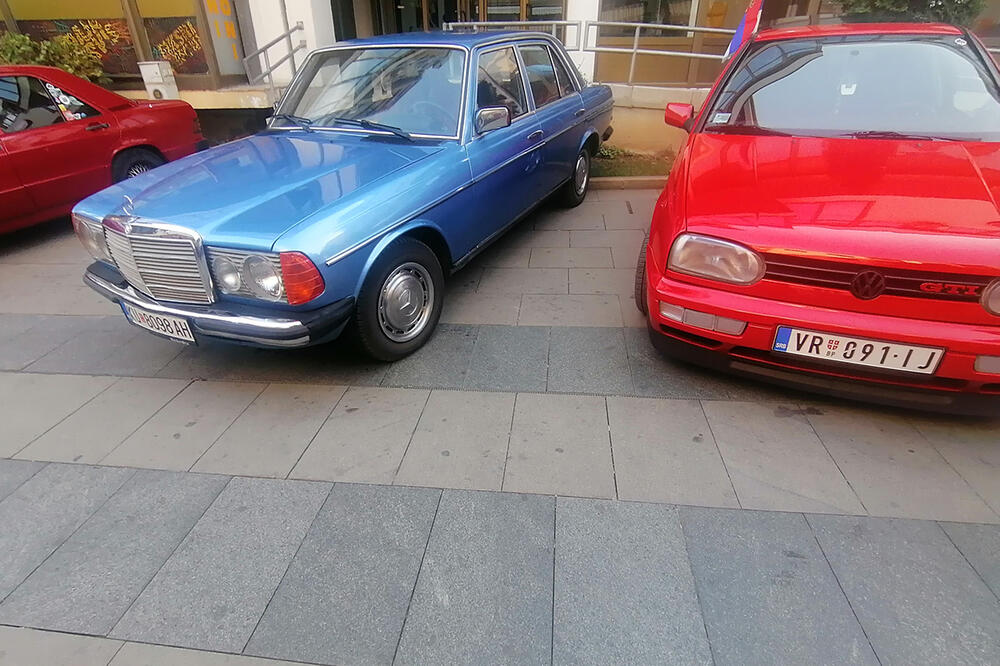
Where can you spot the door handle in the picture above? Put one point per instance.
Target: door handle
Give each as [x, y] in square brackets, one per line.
[537, 134]
[580, 112]
[97, 126]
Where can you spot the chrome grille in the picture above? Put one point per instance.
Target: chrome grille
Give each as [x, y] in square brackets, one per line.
[237, 257]
[163, 265]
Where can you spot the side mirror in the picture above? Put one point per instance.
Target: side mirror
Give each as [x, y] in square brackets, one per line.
[492, 118]
[679, 115]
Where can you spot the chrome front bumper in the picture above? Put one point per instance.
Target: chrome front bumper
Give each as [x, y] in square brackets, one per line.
[258, 328]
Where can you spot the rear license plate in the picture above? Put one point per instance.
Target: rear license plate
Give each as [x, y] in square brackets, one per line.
[858, 351]
[174, 328]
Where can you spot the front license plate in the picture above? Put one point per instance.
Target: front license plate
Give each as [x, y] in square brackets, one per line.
[858, 351]
[171, 327]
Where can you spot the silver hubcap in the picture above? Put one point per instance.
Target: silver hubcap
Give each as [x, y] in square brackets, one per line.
[136, 169]
[405, 302]
[581, 174]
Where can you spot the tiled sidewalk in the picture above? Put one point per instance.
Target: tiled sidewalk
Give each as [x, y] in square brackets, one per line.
[346, 573]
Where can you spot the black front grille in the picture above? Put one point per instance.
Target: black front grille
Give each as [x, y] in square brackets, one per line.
[898, 282]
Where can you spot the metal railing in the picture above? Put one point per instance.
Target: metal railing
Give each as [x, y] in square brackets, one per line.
[267, 72]
[637, 29]
[552, 27]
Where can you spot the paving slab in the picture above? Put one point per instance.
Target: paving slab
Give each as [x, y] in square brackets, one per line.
[214, 588]
[915, 594]
[270, 436]
[141, 654]
[588, 360]
[18, 347]
[63, 292]
[665, 452]
[559, 445]
[620, 281]
[775, 460]
[94, 430]
[893, 469]
[509, 358]
[94, 576]
[13, 473]
[767, 592]
[972, 448]
[484, 592]
[524, 281]
[627, 238]
[363, 551]
[365, 437]
[46, 509]
[524, 236]
[570, 310]
[34, 403]
[504, 255]
[460, 441]
[19, 646]
[183, 429]
[624, 593]
[582, 217]
[980, 544]
[570, 257]
[115, 348]
[468, 307]
[442, 363]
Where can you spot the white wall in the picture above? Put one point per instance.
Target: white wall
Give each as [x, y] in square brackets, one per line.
[583, 10]
[317, 19]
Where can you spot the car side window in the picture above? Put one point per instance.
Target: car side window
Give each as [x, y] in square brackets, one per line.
[562, 76]
[499, 82]
[72, 107]
[541, 75]
[25, 104]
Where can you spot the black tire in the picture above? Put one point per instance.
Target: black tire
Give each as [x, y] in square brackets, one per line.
[405, 259]
[134, 161]
[571, 196]
[640, 278]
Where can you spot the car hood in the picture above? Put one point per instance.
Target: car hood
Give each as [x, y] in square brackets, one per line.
[929, 203]
[249, 192]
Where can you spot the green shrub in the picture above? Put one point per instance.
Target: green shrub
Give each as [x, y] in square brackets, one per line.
[959, 12]
[60, 51]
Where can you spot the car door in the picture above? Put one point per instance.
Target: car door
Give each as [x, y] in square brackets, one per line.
[559, 108]
[59, 146]
[505, 162]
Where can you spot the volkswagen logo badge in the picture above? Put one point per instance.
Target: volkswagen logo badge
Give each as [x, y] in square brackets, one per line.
[128, 206]
[867, 285]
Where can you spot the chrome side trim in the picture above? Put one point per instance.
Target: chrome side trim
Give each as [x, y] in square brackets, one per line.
[395, 225]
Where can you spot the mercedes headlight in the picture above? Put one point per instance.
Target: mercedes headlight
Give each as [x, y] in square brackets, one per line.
[227, 274]
[262, 277]
[715, 259]
[91, 234]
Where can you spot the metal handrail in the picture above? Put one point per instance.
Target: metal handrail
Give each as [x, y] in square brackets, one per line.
[269, 67]
[636, 51]
[534, 25]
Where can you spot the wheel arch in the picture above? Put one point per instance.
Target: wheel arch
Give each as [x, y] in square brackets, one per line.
[144, 146]
[424, 231]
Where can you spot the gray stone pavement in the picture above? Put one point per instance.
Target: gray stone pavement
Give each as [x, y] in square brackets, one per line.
[347, 573]
[535, 485]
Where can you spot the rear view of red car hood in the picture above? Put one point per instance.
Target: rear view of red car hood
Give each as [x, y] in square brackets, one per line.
[931, 204]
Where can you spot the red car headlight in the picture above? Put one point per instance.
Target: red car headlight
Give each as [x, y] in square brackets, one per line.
[715, 259]
[991, 298]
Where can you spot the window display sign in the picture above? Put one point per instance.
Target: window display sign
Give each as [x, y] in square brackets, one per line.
[225, 35]
[176, 40]
[107, 38]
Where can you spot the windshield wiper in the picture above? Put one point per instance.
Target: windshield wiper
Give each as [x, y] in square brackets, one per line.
[744, 129]
[304, 123]
[371, 125]
[889, 134]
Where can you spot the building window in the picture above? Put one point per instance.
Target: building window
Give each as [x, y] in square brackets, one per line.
[172, 30]
[675, 12]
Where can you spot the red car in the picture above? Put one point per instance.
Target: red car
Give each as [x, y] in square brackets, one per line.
[832, 222]
[63, 138]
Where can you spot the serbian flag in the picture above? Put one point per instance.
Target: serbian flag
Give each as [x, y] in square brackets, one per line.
[747, 28]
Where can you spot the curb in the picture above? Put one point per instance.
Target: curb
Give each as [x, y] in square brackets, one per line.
[628, 183]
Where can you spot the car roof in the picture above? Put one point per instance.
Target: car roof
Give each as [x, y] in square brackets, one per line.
[467, 39]
[91, 92]
[841, 29]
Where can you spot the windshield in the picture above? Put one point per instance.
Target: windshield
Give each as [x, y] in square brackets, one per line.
[416, 90]
[924, 86]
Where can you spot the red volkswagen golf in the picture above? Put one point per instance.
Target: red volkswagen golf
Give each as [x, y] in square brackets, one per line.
[832, 222]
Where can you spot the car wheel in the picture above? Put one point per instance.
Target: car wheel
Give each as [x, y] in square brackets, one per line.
[400, 301]
[132, 162]
[640, 279]
[575, 191]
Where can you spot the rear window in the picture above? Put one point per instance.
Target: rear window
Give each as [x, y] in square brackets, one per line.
[912, 85]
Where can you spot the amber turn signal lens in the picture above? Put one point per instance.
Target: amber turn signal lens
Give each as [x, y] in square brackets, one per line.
[303, 281]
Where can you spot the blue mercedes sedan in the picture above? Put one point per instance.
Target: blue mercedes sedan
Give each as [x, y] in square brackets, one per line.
[389, 163]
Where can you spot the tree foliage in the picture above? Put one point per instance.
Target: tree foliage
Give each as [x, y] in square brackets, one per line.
[959, 12]
[60, 51]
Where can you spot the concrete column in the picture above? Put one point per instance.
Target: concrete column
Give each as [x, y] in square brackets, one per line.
[583, 10]
[317, 19]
